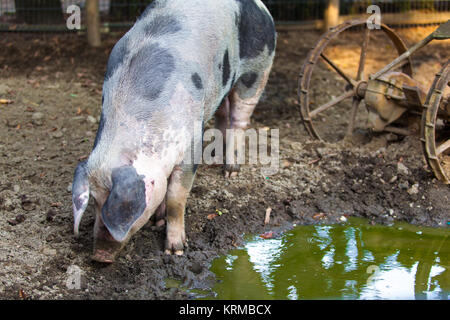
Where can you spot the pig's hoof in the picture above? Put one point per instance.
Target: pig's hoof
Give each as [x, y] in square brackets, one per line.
[231, 170]
[176, 252]
[176, 247]
[103, 256]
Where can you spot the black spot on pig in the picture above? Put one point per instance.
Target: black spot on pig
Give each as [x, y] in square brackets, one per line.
[226, 68]
[150, 70]
[125, 203]
[249, 79]
[233, 80]
[256, 30]
[197, 81]
[116, 57]
[161, 25]
[101, 125]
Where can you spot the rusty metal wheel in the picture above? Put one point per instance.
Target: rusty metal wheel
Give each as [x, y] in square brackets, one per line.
[435, 128]
[333, 72]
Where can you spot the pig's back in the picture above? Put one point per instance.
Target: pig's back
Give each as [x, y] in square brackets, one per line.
[200, 46]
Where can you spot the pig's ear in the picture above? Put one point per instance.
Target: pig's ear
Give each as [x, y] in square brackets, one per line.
[126, 202]
[80, 194]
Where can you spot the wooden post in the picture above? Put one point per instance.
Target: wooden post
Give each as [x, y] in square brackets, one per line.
[331, 14]
[93, 23]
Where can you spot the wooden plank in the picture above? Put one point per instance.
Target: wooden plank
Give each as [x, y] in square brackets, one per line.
[93, 23]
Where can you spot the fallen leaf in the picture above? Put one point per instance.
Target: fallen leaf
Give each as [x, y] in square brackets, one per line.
[267, 235]
[22, 294]
[319, 216]
[211, 216]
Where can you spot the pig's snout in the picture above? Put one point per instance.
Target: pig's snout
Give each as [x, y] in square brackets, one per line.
[106, 248]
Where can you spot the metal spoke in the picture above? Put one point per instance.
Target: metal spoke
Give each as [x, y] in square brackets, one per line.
[351, 124]
[362, 58]
[339, 71]
[331, 103]
[442, 147]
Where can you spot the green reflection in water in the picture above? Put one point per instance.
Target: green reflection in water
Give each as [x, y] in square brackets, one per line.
[351, 261]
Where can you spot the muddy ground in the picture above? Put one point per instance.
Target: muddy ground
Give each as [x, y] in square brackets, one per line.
[55, 84]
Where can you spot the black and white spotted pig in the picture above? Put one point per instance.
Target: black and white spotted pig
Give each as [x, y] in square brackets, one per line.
[181, 63]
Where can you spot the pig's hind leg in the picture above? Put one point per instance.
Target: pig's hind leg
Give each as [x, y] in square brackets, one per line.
[243, 99]
[180, 183]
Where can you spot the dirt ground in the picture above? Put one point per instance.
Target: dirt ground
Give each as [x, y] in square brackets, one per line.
[55, 84]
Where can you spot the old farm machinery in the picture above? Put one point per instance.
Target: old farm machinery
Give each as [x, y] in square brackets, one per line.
[336, 77]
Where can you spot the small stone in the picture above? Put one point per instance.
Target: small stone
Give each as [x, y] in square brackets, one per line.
[414, 189]
[69, 188]
[37, 118]
[16, 188]
[343, 219]
[49, 252]
[8, 204]
[77, 118]
[403, 185]
[401, 168]
[91, 119]
[393, 179]
[57, 134]
[29, 202]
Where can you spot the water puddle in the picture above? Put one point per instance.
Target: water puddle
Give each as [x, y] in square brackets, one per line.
[351, 261]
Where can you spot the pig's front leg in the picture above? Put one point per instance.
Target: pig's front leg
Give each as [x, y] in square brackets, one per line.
[180, 183]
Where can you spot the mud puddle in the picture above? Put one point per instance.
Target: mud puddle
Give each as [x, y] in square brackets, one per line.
[355, 260]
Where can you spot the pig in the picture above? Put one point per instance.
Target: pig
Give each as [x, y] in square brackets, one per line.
[181, 63]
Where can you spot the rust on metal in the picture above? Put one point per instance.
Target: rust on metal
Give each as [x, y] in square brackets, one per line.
[388, 94]
[318, 52]
[436, 151]
[443, 32]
